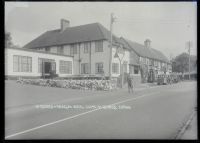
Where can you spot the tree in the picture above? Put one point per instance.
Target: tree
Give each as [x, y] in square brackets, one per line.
[181, 63]
[8, 40]
[144, 72]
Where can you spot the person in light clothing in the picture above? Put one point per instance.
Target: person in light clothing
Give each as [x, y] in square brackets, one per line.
[130, 83]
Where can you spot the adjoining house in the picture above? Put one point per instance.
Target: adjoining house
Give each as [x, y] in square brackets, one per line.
[152, 60]
[31, 63]
[88, 49]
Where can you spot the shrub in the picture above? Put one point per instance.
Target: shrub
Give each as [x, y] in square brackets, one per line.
[73, 84]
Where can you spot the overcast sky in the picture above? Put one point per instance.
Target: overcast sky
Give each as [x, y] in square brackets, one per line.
[168, 25]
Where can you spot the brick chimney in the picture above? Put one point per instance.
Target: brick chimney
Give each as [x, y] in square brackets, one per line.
[64, 24]
[147, 43]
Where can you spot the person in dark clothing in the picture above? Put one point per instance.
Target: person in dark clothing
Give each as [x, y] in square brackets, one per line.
[130, 83]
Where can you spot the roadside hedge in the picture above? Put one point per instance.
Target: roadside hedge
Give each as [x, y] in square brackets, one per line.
[72, 84]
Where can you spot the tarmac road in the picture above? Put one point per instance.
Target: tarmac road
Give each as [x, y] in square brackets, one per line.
[153, 113]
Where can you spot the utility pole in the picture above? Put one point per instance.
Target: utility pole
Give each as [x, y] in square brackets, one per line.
[110, 60]
[189, 44]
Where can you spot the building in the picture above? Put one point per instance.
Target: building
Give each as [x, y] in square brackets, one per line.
[31, 63]
[89, 45]
[148, 58]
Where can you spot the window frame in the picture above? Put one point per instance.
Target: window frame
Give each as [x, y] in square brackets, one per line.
[23, 64]
[67, 65]
[86, 46]
[99, 46]
[99, 69]
[115, 68]
[73, 49]
[60, 50]
[84, 68]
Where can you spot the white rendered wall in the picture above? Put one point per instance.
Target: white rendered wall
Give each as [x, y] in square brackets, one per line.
[96, 57]
[35, 55]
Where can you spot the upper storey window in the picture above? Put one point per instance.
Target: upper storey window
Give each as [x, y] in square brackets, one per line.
[98, 46]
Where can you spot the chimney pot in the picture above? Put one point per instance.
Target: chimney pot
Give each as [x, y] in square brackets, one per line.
[147, 43]
[64, 24]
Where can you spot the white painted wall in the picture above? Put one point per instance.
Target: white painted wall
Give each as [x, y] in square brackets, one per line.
[101, 57]
[35, 55]
[116, 60]
[96, 57]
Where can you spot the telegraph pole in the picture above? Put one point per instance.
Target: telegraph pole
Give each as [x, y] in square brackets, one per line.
[189, 44]
[110, 60]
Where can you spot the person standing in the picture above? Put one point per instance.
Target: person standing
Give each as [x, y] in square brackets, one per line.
[130, 83]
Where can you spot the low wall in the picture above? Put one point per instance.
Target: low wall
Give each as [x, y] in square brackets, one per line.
[136, 80]
[73, 84]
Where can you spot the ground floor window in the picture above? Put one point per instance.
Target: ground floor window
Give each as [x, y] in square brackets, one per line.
[99, 68]
[22, 63]
[65, 67]
[84, 68]
[115, 68]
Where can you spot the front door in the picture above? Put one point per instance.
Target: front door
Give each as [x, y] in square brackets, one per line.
[47, 67]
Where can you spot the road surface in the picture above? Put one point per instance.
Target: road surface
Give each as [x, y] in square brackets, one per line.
[152, 113]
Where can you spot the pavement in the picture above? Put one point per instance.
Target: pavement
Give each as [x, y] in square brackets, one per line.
[190, 132]
[157, 112]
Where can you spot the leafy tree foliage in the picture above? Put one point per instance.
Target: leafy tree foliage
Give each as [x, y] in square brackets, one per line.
[8, 40]
[181, 63]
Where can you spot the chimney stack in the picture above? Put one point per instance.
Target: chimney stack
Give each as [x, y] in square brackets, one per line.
[64, 24]
[147, 43]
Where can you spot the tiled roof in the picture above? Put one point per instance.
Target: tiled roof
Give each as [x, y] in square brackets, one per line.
[82, 33]
[134, 60]
[90, 32]
[142, 51]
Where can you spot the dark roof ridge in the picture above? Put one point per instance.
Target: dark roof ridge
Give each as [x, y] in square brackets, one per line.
[82, 25]
[72, 27]
[139, 44]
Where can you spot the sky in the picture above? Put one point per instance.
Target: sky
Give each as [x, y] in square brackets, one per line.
[169, 25]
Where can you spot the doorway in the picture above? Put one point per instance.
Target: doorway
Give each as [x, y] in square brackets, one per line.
[48, 68]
